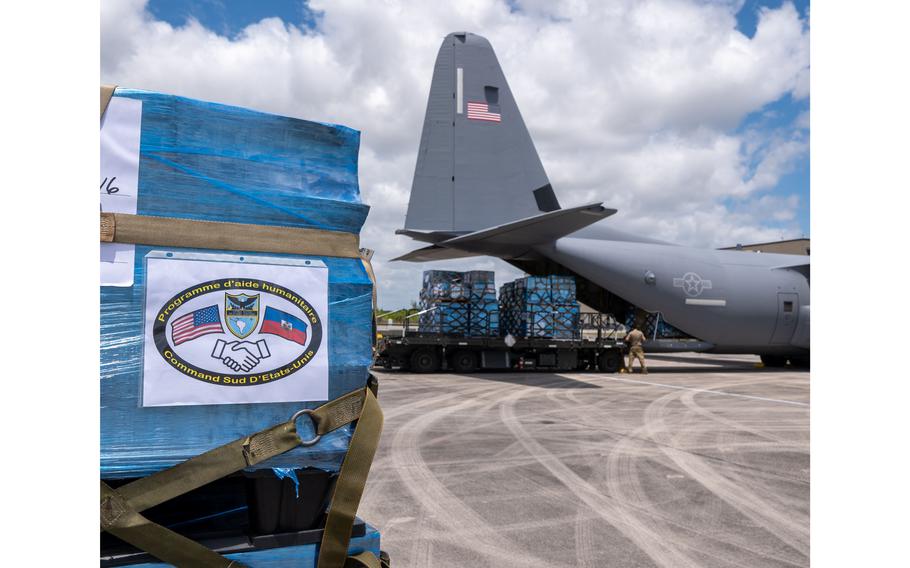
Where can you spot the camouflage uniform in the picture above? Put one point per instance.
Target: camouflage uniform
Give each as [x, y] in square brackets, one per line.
[635, 339]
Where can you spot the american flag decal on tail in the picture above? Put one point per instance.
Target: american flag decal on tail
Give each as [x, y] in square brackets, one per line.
[482, 111]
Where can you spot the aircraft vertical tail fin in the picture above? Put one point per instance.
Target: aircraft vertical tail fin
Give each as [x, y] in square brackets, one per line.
[476, 166]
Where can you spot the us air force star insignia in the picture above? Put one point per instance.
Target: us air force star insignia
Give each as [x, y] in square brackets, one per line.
[692, 284]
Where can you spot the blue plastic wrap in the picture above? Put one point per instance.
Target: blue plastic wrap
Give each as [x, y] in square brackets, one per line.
[443, 285]
[208, 161]
[459, 303]
[445, 318]
[540, 306]
[293, 556]
[484, 318]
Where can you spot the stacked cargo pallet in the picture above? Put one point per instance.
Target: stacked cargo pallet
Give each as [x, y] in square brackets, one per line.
[484, 309]
[539, 306]
[445, 303]
[459, 303]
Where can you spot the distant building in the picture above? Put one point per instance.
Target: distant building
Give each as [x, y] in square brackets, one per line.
[792, 246]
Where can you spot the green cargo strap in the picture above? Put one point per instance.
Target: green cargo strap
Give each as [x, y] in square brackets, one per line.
[349, 487]
[125, 523]
[223, 235]
[214, 464]
[121, 507]
[107, 91]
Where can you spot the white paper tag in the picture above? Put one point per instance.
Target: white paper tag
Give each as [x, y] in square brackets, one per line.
[121, 128]
[224, 329]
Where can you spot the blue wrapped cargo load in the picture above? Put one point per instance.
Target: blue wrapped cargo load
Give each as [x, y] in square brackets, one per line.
[484, 316]
[539, 306]
[443, 286]
[213, 162]
[445, 318]
[459, 303]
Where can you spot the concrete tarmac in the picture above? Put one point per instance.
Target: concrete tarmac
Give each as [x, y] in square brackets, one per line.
[702, 462]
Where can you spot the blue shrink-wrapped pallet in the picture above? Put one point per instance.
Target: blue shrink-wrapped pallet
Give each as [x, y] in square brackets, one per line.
[564, 323]
[484, 316]
[484, 319]
[562, 289]
[481, 285]
[444, 298]
[212, 162]
[443, 285]
[540, 307]
[532, 290]
[459, 303]
[446, 318]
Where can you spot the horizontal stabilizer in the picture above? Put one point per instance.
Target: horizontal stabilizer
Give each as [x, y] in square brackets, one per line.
[510, 240]
[427, 236]
[539, 229]
[434, 252]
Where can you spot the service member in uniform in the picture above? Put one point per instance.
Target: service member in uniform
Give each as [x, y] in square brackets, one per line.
[634, 339]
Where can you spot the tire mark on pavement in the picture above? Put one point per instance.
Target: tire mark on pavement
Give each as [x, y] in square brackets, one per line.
[438, 502]
[646, 540]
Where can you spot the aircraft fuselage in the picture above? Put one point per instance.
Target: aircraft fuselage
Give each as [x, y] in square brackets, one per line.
[741, 302]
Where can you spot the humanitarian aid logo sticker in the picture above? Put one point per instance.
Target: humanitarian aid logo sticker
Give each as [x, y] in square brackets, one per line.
[247, 350]
[234, 329]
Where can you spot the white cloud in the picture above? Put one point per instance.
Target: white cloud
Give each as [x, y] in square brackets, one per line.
[635, 103]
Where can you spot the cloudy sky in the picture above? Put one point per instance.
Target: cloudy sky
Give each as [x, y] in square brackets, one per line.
[690, 117]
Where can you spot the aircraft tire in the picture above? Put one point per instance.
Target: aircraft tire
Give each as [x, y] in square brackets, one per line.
[425, 360]
[800, 362]
[773, 361]
[464, 362]
[609, 361]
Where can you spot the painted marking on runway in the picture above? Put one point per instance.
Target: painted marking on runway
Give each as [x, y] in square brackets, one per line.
[709, 391]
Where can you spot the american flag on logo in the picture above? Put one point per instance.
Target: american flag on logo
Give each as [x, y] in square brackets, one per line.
[482, 111]
[196, 324]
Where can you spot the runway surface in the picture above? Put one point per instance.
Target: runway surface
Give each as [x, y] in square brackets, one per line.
[702, 462]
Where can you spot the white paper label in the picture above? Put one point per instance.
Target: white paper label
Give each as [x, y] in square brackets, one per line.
[219, 330]
[120, 133]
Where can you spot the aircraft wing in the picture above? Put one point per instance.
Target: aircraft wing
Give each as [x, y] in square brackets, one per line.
[543, 228]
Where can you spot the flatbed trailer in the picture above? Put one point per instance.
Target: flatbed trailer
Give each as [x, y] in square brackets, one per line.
[429, 353]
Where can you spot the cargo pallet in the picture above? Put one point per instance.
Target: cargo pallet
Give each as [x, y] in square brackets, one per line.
[429, 353]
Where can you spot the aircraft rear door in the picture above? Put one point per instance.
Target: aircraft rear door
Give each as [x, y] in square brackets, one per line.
[787, 317]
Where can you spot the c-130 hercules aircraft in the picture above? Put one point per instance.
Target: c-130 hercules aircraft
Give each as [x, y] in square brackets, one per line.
[479, 189]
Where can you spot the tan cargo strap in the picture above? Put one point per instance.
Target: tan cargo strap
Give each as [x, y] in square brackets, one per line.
[349, 486]
[121, 507]
[107, 91]
[220, 235]
[367, 560]
[367, 256]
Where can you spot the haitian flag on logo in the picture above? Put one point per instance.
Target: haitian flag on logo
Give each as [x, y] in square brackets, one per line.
[284, 325]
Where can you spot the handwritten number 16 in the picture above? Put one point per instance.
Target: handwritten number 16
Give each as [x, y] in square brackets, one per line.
[107, 184]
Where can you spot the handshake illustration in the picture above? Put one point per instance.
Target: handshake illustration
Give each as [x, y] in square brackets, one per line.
[241, 355]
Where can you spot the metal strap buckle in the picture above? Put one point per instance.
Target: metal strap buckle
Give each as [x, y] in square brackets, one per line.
[312, 441]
